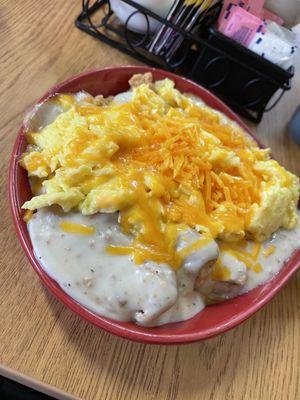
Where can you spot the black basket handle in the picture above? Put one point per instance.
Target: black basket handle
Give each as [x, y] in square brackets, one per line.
[267, 109]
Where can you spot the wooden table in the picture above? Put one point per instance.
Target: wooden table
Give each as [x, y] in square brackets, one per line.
[44, 340]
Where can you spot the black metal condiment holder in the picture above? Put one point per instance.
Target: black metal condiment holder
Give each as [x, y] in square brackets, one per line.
[241, 78]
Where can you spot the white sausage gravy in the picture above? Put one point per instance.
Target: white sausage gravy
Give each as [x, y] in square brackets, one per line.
[150, 294]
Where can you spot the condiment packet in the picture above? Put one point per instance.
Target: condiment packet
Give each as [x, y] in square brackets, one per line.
[255, 7]
[277, 44]
[240, 25]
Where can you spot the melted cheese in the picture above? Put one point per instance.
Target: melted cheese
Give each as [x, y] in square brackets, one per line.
[73, 227]
[220, 272]
[246, 252]
[28, 215]
[269, 250]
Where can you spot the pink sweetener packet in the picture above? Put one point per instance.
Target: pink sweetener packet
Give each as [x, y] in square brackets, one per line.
[240, 25]
[227, 5]
[253, 6]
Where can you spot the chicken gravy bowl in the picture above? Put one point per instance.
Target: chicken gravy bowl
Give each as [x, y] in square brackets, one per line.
[108, 289]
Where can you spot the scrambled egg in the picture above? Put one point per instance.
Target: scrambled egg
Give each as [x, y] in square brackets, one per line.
[165, 163]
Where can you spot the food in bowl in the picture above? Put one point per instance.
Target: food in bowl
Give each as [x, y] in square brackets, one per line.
[150, 205]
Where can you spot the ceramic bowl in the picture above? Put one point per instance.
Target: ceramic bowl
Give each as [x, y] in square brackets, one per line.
[214, 319]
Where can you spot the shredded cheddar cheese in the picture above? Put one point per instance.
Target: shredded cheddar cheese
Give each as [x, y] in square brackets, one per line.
[164, 162]
[256, 250]
[28, 215]
[73, 227]
[269, 250]
[257, 268]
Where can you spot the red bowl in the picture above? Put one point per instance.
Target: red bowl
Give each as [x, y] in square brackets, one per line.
[214, 319]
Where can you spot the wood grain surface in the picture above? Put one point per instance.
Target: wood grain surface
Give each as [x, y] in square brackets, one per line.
[39, 46]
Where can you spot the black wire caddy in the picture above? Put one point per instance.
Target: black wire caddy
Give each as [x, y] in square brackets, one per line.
[241, 78]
